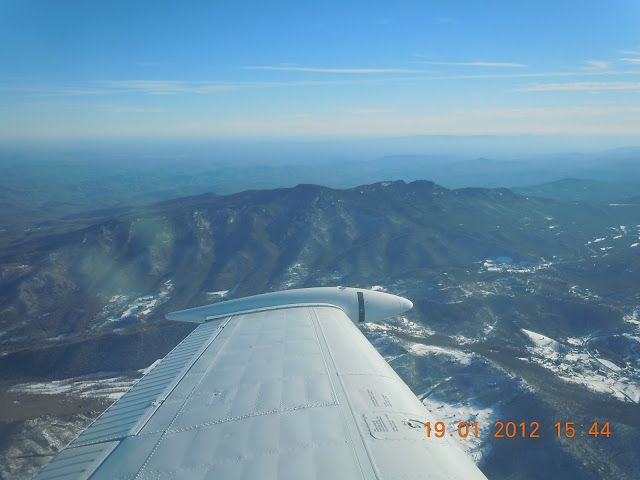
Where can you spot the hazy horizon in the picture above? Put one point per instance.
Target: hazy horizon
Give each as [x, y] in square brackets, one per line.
[277, 150]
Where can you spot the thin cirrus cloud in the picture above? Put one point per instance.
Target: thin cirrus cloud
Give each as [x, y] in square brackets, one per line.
[365, 110]
[156, 87]
[339, 70]
[151, 87]
[55, 91]
[474, 63]
[173, 87]
[631, 60]
[477, 64]
[216, 87]
[581, 87]
[597, 65]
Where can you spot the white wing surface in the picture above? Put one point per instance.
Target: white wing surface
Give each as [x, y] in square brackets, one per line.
[276, 386]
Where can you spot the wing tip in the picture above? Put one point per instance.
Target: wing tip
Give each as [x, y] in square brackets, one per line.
[379, 305]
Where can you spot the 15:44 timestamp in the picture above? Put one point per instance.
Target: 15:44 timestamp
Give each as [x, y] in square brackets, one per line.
[510, 429]
[571, 429]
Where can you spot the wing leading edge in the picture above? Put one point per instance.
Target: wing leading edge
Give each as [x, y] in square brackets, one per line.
[274, 392]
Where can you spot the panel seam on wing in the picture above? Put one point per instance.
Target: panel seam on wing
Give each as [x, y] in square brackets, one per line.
[194, 362]
[326, 352]
[249, 415]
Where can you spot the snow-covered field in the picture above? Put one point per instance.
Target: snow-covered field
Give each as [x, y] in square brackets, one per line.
[419, 349]
[123, 307]
[401, 323]
[98, 385]
[616, 236]
[219, 295]
[92, 386]
[508, 265]
[574, 362]
[453, 414]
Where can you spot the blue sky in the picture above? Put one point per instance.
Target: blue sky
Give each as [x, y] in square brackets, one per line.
[130, 69]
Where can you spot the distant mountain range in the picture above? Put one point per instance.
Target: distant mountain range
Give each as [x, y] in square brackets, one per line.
[52, 191]
[581, 190]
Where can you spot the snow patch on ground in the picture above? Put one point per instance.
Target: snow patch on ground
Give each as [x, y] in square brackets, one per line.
[407, 326]
[583, 293]
[295, 275]
[33, 442]
[89, 386]
[121, 307]
[507, 265]
[577, 341]
[463, 358]
[633, 318]
[596, 240]
[376, 327]
[541, 341]
[609, 364]
[453, 414]
[97, 385]
[462, 340]
[401, 324]
[622, 390]
[635, 338]
[219, 295]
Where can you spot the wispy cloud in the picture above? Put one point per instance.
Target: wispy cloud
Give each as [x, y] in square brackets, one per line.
[173, 87]
[299, 116]
[529, 74]
[479, 64]
[339, 70]
[213, 87]
[580, 87]
[630, 52]
[635, 60]
[582, 120]
[57, 90]
[120, 108]
[474, 63]
[365, 110]
[597, 65]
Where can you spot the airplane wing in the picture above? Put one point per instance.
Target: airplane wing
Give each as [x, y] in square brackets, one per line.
[276, 386]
